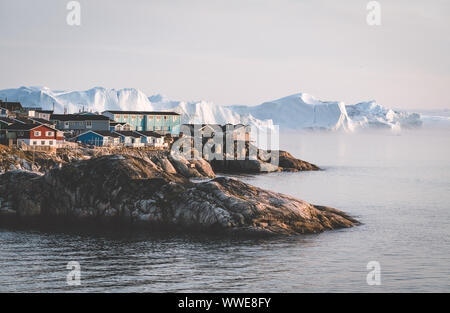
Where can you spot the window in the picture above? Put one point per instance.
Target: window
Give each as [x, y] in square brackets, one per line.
[43, 142]
[34, 142]
[50, 142]
[49, 134]
[66, 124]
[174, 118]
[165, 118]
[37, 133]
[88, 124]
[158, 118]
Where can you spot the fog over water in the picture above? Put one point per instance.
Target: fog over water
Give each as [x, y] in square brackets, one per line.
[396, 184]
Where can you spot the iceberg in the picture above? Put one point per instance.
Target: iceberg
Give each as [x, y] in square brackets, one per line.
[295, 112]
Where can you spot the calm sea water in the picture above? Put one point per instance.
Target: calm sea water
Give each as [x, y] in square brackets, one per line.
[397, 185]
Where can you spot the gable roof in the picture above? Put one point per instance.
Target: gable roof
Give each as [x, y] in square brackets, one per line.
[127, 134]
[32, 120]
[114, 123]
[78, 117]
[101, 133]
[148, 133]
[6, 120]
[210, 126]
[40, 121]
[142, 112]
[27, 126]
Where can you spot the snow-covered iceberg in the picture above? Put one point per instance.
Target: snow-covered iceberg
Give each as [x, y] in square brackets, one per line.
[298, 111]
[373, 115]
[96, 99]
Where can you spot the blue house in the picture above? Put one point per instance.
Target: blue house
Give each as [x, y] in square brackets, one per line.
[99, 138]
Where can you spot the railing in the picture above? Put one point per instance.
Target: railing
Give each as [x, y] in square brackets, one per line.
[26, 147]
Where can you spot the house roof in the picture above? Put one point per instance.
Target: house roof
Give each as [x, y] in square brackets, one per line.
[212, 126]
[114, 123]
[27, 126]
[128, 134]
[37, 109]
[142, 112]
[148, 133]
[78, 117]
[40, 120]
[102, 133]
[6, 120]
[32, 120]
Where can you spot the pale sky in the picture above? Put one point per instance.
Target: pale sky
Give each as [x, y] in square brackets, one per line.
[233, 51]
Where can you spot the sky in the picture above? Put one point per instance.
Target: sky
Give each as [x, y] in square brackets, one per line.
[233, 51]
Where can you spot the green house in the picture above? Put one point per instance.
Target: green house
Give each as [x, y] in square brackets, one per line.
[162, 122]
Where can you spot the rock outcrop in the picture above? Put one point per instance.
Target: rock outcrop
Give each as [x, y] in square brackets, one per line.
[286, 162]
[289, 163]
[139, 191]
[42, 162]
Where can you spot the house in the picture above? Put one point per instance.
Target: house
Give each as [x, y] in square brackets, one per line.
[116, 126]
[79, 123]
[12, 107]
[129, 138]
[205, 130]
[239, 132]
[39, 113]
[34, 135]
[4, 123]
[99, 138]
[150, 138]
[164, 122]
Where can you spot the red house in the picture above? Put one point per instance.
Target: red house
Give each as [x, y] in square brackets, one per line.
[34, 134]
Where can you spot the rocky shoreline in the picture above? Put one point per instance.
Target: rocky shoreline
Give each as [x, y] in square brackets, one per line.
[42, 162]
[153, 191]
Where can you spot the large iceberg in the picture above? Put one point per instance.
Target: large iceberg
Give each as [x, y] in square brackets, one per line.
[301, 111]
[298, 111]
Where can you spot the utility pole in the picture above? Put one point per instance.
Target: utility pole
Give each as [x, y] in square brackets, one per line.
[32, 164]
